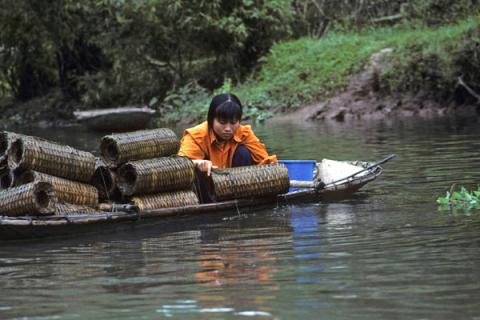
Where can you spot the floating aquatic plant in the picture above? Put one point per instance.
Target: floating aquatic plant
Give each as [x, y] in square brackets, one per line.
[463, 199]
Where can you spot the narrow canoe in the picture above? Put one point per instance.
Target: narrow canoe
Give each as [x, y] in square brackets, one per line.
[29, 227]
[115, 119]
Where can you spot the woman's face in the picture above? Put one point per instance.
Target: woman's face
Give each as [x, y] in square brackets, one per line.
[225, 129]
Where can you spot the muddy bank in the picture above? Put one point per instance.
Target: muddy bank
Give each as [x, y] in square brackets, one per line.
[364, 100]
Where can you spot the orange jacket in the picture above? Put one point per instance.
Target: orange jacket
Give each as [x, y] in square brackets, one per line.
[199, 143]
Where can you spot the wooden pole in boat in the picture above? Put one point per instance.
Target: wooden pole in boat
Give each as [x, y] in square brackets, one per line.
[314, 184]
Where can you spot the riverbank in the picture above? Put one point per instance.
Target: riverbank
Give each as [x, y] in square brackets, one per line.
[51, 110]
[383, 72]
[362, 100]
[403, 71]
[391, 72]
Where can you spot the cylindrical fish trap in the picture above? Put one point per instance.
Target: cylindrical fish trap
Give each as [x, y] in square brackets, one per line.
[155, 175]
[36, 198]
[166, 200]
[48, 157]
[249, 181]
[65, 209]
[105, 180]
[66, 190]
[6, 139]
[117, 149]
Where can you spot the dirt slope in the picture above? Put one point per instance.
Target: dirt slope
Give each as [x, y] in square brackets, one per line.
[362, 100]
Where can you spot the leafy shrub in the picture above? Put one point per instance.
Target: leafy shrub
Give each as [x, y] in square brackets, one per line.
[107, 52]
[463, 199]
[436, 12]
[189, 103]
[431, 60]
[315, 17]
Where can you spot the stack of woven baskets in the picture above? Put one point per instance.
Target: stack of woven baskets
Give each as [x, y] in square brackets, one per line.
[142, 167]
[40, 177]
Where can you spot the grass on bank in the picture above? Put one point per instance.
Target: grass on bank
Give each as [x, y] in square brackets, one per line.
[306, 70]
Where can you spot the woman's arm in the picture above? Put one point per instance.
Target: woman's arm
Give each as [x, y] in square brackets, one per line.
[189, 148]
[258, 149]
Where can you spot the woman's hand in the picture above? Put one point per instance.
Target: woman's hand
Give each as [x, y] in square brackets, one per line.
[204, 166]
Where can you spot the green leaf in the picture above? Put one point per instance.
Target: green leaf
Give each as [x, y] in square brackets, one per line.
[443, 201]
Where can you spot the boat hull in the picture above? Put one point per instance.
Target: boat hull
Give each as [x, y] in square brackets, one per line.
[118, 119]
[29, 227]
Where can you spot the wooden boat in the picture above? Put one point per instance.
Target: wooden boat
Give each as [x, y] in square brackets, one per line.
[28, 227]
[115, 119]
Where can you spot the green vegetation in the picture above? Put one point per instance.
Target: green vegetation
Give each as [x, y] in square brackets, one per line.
[463, 200]
[276, 54]
[433, 59]
[303, 71]
[109, 52]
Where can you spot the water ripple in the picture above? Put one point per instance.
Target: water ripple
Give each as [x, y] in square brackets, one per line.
[385, 253]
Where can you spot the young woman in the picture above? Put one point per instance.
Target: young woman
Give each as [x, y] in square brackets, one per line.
[221, 141]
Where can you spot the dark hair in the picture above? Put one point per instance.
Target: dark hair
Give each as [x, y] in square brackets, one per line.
[225, 106]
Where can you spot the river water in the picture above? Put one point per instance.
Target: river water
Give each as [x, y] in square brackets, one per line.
[385, 253]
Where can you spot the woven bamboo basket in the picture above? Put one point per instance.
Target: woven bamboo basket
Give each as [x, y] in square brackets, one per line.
[66, 190]
[49, 157]
[155, 175]
[65, 209]
[6, 139]
[36, 198]
[105, 180]
[249, 181]
[117, 149]
[166, 200]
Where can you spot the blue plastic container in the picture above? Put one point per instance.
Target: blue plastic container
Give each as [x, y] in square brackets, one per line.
[299, 170]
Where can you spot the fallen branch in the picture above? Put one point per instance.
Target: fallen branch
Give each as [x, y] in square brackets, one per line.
[388, 19]
[470, 90]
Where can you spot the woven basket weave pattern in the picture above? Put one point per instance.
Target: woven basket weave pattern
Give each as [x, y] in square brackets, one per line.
[65, 209]
[250, 181]
[166, 200]
[24, 200]
[66, 190]
[156, 175]
[54, 159]
[140, 145]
